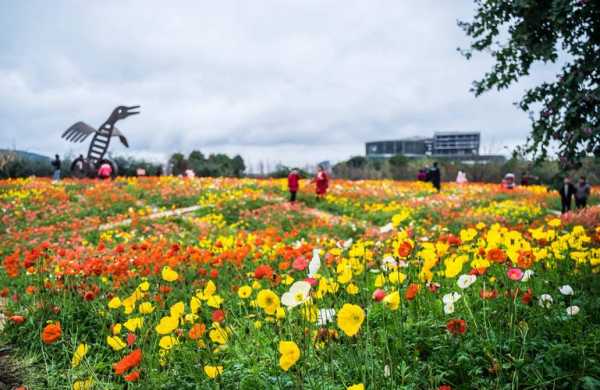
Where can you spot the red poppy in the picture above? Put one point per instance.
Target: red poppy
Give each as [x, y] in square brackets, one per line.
[131, 339]
[218, 315]
[17, 320]
[214, 273]
[488, 294]
[263, 271]
[527, 296]
[128, 362]
[404, 249]
[456, 326]
[134, 376]
[445, 387]
[89, 296]
[477, 271]
[378, 295]
[496, 255]
[411, 291]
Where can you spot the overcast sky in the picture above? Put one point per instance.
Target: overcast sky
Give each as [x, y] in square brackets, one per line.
[291, 81]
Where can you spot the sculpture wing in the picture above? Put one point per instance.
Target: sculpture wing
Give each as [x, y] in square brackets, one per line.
[118, 133]
[78, 132]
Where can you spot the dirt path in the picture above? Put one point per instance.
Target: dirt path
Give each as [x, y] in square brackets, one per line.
[162, 214]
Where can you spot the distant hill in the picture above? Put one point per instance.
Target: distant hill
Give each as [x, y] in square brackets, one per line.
[26, 155]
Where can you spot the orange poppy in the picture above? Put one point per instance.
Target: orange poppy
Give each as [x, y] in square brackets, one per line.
[197, 331]
[51, 333]
[128, 362]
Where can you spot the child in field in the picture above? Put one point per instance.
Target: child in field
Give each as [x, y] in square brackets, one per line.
[293, 184]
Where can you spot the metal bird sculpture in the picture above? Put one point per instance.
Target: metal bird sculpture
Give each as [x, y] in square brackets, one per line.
[101, 139]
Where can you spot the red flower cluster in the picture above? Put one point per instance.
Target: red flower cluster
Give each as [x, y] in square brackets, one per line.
[456, 326]
[496, 255]
[263, 271]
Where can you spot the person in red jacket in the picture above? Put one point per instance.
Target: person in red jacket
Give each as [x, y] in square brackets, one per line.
[322, 182]
[293, 184]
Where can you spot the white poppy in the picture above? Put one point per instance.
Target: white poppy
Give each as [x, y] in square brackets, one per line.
[386, 229]
[527, 275]
[464, 281]
[451, 298]
[348, 243]
[324, 316]
[314, 264]
[298, 294]
[449, 308]
[566, 290]
[572, 310]
[387, 371]
[388, 263]
[545, 300]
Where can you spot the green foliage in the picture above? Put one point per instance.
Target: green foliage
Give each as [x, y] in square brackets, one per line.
[519, 34]
[216, 165]
[128, 166]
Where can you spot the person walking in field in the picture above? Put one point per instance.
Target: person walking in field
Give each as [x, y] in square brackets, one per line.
[582, 192]
[566, 191]
[322, 182]
[434, 175]
[56, 165]
[293, 184]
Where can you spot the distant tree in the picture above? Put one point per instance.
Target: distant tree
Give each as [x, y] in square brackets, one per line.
[178, 164]
[238, 166]
[519, 33]
[197, 162]
[357, 162]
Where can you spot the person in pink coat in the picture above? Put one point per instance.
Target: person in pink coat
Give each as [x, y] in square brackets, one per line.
[105, 171]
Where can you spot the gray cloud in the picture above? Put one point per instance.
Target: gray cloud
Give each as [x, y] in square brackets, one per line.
[290, 81]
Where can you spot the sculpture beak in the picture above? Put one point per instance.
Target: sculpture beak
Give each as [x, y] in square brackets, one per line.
[132, 112]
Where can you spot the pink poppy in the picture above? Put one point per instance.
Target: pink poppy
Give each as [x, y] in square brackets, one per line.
[514, 274]
[313, 282]
[300, 263]
[378, 295]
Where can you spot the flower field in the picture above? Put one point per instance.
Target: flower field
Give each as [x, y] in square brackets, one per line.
[380, 285]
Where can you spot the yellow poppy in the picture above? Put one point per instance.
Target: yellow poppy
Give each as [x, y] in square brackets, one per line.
[290, 353]
[350, 318]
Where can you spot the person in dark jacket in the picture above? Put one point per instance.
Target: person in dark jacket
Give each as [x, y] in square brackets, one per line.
[566, 191]
[582, 192]
[56, 165]
[434, 175]
[293, 184]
